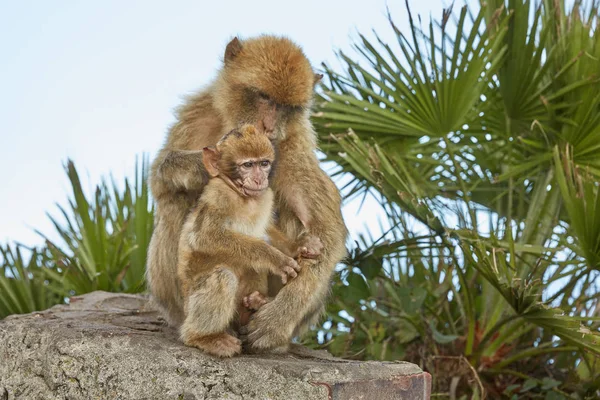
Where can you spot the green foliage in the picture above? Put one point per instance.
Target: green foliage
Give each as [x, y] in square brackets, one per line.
[481, 136]
[102, 246]
[23, 284]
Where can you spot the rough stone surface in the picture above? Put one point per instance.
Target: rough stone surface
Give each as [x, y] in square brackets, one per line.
[114, 346]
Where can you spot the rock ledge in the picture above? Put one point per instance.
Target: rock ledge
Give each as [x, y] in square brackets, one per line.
[114, 346]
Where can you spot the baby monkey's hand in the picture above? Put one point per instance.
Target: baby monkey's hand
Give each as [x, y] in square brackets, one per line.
[289, 269]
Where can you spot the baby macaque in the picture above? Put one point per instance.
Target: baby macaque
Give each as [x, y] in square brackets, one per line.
[224, 261]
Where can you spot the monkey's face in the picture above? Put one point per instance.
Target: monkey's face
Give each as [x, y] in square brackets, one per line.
[267, 82]
[244, 158]
[253, 176]
[261, 110]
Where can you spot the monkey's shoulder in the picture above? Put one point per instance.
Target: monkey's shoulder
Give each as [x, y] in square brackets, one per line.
[219, 195]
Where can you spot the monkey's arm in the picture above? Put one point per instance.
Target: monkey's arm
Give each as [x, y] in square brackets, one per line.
[242, 251]
[280, 241]
[177, 171]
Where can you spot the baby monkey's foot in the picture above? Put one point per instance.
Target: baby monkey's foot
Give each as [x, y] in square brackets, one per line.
[310, 248]
[254, 301]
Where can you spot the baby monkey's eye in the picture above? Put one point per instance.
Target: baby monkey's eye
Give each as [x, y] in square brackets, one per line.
[265, 163]
[247, 164]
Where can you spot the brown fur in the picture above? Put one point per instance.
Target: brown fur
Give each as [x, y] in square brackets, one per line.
[275, 70]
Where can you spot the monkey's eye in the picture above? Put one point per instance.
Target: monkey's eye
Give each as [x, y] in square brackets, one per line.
[265, 163]
[247, 164]
[294, 109]
[263, 96]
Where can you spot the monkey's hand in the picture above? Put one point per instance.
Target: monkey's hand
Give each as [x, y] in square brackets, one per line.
[310, 248]
[289, 269]
[268, 121]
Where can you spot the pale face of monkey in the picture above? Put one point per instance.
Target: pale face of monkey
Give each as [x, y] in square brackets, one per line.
[253, 176]
[243, 158]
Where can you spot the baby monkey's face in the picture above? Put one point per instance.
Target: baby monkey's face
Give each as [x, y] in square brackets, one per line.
[254, 175]
[244, 158]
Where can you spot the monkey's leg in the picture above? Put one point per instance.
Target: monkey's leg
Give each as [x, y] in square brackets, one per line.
[210, 308]
[161, 266]
[252, 284]
[280, 241]
[295, 307]
[310, 318]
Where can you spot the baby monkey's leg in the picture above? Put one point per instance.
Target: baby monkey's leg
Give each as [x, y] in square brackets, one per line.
[210, 308]
[254, 283]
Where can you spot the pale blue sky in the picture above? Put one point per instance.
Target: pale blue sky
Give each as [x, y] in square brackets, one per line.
[97, 82]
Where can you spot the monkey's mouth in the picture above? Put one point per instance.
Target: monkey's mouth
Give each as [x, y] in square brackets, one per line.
[252, 192]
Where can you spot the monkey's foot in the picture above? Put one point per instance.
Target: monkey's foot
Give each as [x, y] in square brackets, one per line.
[273, 342]
[266, 331]
[220, 344]
[254, 301]
[269, 342]
[247, 349]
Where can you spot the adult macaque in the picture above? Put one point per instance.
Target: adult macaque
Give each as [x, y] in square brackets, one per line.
[223, 259]
[266, 81]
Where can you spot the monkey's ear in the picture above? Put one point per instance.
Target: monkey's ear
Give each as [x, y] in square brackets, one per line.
[233, 49]
[317, 78]
[210, 157]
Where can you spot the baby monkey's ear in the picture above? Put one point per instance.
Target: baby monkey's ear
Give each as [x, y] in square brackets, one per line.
[210, 158]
